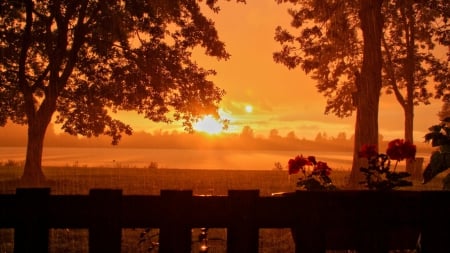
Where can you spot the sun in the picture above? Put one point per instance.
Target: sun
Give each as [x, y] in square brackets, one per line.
[249, 108]
[208, 124]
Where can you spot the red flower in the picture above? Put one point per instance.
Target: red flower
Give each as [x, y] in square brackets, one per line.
[297, 163]
[321, 169]
[368, 151]
[312, 159]
[317, 179]
[399, 149]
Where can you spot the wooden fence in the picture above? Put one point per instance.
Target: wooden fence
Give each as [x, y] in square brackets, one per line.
[367, 221]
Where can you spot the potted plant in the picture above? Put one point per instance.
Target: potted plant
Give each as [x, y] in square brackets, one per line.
[314, 175]
[439, 136]
[378, 174]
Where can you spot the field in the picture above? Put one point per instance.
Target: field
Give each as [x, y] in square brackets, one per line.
[79, 180]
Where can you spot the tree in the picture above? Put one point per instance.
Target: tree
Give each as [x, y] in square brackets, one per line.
[247, 133]
[346, 68]
[410, 37]
[274, 134]
[411, 30]
[368, 83]
[342, 136]
[78, 62]
[319, 137]
[291, 136]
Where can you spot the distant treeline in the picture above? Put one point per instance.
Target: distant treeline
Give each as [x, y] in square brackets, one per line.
[13, 135]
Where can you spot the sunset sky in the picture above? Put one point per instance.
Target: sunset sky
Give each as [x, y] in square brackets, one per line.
[275, 97]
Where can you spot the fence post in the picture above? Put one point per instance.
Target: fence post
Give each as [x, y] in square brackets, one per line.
[243, 232]
[435, 212]
[31, 232]
[175, 233]
[105, 231]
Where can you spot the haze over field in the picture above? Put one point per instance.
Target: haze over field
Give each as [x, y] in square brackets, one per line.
[15, 136]
[282, 99]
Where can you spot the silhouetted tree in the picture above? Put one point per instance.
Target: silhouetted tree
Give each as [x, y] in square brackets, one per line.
[83, 60]
[342, 136]
[247, 132]
[320, 138]
[330, 48]
[291, 136]
[274, 134]
[347, 67]
[411, 33]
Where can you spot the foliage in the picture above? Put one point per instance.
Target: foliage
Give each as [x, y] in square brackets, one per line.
[84, 60]
[378, 174]
[326, 46]
[340, 44]
[11, 164]
[324, 40]
[413, 29]
[439, 136]
[409, 54]
[141, 52]
[314, 174]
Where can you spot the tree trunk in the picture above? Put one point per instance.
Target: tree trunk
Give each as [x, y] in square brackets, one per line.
[410, 77]
[32, 173]
[369, 84]
[409, 124]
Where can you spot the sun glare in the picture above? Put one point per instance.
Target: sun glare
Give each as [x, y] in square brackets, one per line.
[249, 108]
[208, 124]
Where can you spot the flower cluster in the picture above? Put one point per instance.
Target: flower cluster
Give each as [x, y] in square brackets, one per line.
[315, 174]
[400, 150]
[378, 175]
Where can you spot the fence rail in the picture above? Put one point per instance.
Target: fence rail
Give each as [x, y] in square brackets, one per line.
[367, 221]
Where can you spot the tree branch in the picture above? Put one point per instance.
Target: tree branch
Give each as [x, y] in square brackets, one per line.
[389, 67]
[78, 40]
[26, 43]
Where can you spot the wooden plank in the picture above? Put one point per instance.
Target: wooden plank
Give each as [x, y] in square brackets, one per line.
[175, 231]
[141, 211]
[105, 230]
[243, 232]
[69, 211]
[31, 231]
[368, 221]
[435, 234]
[8, 211]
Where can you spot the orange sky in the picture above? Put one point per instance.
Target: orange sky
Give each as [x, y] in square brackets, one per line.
[282, 99]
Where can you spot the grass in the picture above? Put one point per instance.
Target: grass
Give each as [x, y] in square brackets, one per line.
[149, 181]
